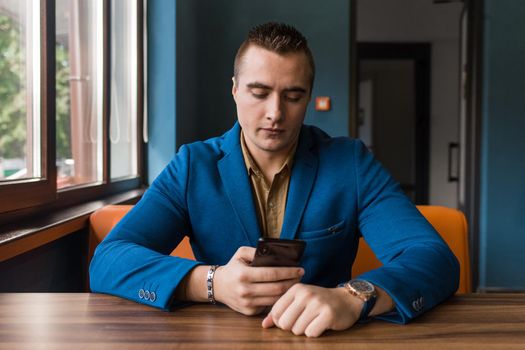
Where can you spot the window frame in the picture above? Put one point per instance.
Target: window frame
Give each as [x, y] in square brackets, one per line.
[29, 197]
[32, 192]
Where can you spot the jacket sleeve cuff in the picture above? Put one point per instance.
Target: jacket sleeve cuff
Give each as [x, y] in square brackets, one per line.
[167, 300]
[408, 302]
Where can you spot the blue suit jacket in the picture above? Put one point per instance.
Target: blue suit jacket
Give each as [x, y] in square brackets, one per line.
[337, 192]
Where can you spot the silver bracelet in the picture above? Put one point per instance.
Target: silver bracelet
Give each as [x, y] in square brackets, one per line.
[209, 283]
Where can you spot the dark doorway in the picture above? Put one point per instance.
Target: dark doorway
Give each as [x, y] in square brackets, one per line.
[394, 110]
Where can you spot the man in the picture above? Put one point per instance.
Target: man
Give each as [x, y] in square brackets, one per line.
[273, 176]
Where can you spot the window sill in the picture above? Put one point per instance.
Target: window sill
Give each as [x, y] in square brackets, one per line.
[19, 238]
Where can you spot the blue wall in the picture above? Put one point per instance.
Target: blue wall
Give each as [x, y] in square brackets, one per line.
[161, 85]
[208, 33]
[502, 207]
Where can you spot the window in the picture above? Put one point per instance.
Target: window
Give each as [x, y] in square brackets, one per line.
[70, 100]
[124, 56]
[20, 123]
[79, 85]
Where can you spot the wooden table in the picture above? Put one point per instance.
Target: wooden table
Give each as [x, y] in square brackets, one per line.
[92, 321]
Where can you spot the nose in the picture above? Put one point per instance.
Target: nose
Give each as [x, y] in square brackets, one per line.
[274, 110]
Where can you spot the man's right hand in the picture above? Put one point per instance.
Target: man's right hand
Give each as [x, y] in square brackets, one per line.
[248, 289]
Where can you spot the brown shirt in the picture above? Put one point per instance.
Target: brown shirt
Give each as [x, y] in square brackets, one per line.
[270, 199]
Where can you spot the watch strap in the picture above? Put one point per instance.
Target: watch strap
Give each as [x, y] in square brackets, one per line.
[365, 311]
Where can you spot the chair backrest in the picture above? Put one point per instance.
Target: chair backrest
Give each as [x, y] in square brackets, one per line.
[103, 220]
[450, 224]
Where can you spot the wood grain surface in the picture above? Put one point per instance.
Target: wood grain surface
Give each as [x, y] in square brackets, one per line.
[94, 321]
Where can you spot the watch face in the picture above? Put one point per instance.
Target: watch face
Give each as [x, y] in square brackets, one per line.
[362, 286]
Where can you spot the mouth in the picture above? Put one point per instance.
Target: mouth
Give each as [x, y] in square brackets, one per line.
[274, 131]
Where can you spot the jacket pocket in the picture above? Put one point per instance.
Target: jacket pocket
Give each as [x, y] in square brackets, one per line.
[327, 232]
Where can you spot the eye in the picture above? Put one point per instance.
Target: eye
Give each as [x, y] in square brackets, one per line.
[294, 98]
[259, 96]
[259, 93]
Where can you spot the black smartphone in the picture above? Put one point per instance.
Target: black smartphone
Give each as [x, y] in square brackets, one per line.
[278, 252]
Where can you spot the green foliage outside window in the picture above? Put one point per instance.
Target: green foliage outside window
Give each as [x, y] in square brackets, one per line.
[63, 126]
[13, 91]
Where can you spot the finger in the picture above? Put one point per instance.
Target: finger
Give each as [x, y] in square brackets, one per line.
[304, 320]
[281, 305]
[272, 274]
[290, 316]
[245, 253]
[271, 288]
[317, 326]
[268, 321]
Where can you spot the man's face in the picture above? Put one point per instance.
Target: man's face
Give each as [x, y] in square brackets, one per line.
[272, 92]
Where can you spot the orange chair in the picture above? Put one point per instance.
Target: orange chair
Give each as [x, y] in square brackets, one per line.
[450, 223]
[103, 220]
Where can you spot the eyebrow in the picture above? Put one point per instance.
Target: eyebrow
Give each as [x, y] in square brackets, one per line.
[257, 85]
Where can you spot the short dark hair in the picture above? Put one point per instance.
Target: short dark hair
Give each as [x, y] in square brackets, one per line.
[280, 38]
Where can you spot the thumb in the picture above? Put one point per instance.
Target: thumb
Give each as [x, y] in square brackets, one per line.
[245, 253]
[268, 321]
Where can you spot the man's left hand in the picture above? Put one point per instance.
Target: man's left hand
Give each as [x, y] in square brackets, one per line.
[310, 310]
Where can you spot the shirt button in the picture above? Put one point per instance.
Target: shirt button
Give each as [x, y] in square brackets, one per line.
[146, 295]
[141, 293]
[271, 205]
[152, 296]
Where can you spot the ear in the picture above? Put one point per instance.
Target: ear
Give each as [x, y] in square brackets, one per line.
[234, 87]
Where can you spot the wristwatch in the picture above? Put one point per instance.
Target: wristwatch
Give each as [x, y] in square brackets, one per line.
[365, 291]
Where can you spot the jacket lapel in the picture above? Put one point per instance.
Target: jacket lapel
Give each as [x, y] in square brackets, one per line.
[236, 183]
[301, 183]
